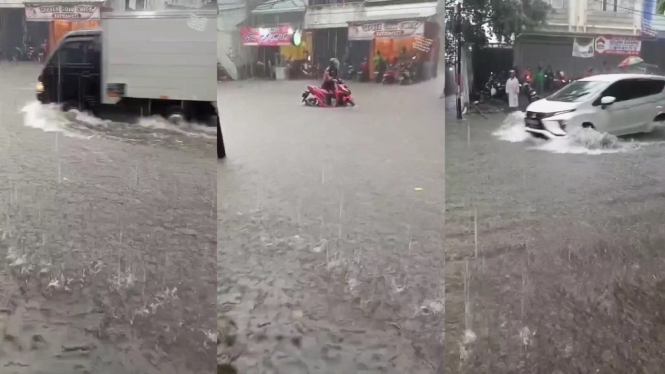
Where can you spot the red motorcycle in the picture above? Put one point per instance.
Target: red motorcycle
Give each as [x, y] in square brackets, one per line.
[319, 97]
[391, 75]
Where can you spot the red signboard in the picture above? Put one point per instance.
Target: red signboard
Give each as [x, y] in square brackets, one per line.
[267, 36]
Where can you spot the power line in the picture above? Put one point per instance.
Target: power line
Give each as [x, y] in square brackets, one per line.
[633, 10]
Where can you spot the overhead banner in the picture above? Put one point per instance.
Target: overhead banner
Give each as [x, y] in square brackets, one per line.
[388, 29]
[47, 13]
[618, 45]
[267, 36]
[583, 48]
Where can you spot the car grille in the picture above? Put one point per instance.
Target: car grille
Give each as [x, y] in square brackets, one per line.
[535, 126]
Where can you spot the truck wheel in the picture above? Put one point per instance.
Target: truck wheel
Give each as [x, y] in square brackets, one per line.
[69, 105]
[176, 116]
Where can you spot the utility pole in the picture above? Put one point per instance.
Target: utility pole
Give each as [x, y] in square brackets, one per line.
[458, 62]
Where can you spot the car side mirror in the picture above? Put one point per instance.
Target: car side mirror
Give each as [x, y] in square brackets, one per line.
[607, 101]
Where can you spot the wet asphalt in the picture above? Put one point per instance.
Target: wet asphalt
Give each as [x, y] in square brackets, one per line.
[554, 261]
[330, 255]
[110, 239]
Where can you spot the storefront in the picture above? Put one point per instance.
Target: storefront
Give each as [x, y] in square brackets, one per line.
[575, 54]
[277, 45]
[64, 17]
[396, 39]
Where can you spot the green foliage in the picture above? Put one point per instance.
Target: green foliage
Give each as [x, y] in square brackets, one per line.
[503, 19]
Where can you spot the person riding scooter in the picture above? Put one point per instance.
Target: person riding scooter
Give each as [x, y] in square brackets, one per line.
[329, 78]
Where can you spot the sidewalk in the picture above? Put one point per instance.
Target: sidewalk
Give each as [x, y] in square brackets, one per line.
[450, 103]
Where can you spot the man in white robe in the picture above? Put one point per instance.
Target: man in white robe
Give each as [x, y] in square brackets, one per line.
[513, 91]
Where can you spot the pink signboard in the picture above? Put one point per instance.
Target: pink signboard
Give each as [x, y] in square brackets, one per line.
[268, 36]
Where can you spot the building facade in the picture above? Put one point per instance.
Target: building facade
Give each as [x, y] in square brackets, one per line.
[356, 30]
[583, 34]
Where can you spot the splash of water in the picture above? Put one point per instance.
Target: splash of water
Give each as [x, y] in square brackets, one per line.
[512, 129]
[50, 118]
[580, 141]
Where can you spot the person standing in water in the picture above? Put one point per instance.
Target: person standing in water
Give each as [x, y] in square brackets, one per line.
[513, 92]
[540, 80]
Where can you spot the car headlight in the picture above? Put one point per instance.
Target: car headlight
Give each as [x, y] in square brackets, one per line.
[40, 87]
[561, 112]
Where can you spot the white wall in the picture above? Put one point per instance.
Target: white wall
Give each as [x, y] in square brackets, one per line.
[119, 5]
[332, 16]
[587, 16]
[229, 45]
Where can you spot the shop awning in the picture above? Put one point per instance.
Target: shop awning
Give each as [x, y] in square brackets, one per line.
[281, 6]
[396, 12]
[62, 10]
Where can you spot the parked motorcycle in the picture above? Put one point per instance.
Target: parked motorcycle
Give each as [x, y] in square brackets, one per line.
[318, 97]
[391, 75]
[406, 75]
[495, 88]
[530, 92]
[350, 72]
[561, 81]
[309, 70]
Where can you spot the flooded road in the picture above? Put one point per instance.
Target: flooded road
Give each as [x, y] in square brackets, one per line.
[330, 230]
[108, 239]
[555, 251]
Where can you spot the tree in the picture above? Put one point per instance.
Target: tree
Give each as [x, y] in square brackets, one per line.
[503, 19]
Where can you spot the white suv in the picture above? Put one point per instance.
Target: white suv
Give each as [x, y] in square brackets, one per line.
[619, 104]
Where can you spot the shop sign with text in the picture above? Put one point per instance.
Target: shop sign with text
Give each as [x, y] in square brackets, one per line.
[401, 29]
[267, 36]
[618, 45]
[48, 13]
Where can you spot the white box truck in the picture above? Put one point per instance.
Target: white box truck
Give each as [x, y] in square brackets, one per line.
[139, 63]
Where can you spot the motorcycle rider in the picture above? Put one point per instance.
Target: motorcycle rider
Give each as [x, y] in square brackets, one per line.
[330, 77]
[549, 78]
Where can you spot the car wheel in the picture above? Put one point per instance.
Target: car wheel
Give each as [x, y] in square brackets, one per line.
[660, 118]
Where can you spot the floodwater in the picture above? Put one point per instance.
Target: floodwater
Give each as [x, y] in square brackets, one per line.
[107, 240]
[554, 251]
[330, 230]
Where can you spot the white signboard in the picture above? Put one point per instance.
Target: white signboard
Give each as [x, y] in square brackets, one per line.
[583, 50]
[618, 45]
[400, 29]
[422, 44]
[47, 13]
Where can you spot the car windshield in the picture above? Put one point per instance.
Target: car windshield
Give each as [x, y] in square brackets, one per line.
[578, 91]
